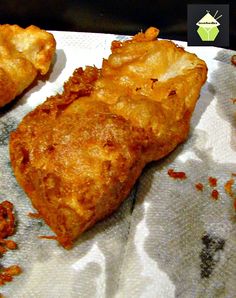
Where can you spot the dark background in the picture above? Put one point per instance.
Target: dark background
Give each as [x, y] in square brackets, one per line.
[114, 16]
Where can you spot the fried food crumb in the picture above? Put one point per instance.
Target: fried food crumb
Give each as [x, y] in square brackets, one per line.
[176, 175]
[7, 244]
[212, 181]
[13, 270]
[10, 244]
[228, 187]
[49, 237]
[215, 194]
[229, 190]
[199, 186]
[3, 250]
[7, 219]
[7, 227]
[233, 60]
[34, 215]
[6, 274]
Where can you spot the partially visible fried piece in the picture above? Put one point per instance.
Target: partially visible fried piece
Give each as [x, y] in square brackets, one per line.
[23, 54]
[78, 154]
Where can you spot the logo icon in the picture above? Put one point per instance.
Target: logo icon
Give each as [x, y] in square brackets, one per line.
[208, 26]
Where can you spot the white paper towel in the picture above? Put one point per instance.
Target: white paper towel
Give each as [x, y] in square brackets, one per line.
[167, 239]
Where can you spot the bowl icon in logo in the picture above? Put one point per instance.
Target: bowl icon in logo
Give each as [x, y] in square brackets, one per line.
[208, 27]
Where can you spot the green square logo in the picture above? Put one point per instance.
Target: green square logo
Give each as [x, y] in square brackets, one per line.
[208, 24]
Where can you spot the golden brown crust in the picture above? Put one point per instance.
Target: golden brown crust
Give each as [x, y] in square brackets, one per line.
[23, 54]
[8, 89]
[81, 170]
[78, 155]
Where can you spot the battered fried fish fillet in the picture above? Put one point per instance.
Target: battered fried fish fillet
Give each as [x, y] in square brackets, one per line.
[78, 155]
[23, 54]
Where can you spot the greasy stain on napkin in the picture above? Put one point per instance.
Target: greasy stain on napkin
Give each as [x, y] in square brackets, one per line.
[208, 255]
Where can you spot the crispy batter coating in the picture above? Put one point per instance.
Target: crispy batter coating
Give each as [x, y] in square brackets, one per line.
[78, 155]
[23, 54]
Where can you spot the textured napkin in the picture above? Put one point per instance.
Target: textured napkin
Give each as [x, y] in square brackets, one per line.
[167, 239]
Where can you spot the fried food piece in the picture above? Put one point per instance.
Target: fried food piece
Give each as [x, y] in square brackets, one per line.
[78, 155]
[23, 54]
